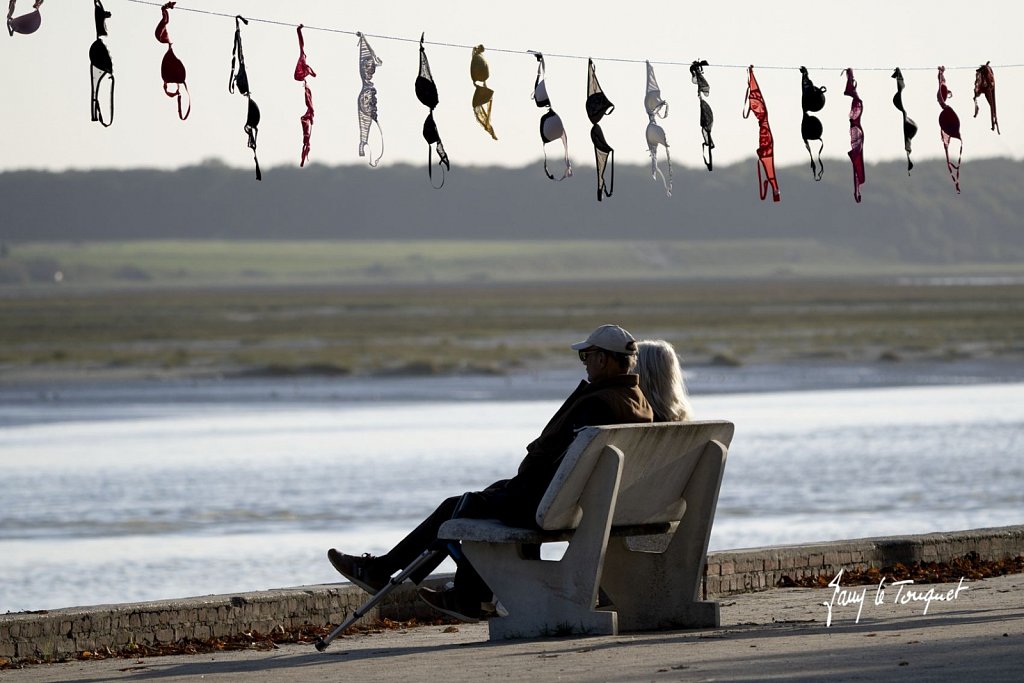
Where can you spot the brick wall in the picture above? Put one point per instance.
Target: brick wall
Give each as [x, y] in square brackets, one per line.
[57, 634]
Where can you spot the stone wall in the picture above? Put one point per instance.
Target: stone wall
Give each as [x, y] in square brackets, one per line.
[740, 571]
[57, 634]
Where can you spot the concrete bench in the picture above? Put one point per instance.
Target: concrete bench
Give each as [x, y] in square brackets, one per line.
[615, 483]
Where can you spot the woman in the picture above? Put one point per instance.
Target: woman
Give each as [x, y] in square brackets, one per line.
[661, 380]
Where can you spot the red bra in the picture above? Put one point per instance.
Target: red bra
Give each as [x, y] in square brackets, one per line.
[171, 69]
[302, 70]
[949, 126]
[754, 102]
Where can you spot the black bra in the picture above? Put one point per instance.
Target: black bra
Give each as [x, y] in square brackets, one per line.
[909, 127]
[240, 80]
[100, 65]
[812, 100]
[707, 116]
[426, 93]
[26, 23]
[599, 106]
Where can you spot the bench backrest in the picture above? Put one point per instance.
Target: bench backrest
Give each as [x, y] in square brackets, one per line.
[659, 459]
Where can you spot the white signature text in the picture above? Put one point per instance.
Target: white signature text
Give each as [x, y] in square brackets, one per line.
[905, 594]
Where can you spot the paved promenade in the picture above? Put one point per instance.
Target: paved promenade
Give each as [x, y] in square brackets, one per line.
[974, 634]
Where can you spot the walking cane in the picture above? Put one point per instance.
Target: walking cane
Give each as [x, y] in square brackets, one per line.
[395, 581]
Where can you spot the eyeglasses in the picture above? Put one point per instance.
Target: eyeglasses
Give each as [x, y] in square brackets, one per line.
[584, 355]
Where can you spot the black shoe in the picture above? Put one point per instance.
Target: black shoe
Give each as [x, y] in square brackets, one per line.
[449, 602]
[362, 571]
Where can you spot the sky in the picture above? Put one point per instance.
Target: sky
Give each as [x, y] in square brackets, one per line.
[45, 110]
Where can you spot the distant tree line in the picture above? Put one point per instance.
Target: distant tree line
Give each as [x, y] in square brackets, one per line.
[916, 219]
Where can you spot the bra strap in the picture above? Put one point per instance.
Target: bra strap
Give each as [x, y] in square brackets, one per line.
[97, 112]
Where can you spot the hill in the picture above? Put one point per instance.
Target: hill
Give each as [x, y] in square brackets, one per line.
[917, 219]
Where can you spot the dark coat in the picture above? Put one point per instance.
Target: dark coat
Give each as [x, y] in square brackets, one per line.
[613, 400]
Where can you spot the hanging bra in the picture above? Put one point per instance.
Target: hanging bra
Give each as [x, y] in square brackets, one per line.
[949, 126]
[812, 100]
[26, 23]
[985, 83]
[707, 117]
[909, 127]
[366, 104]
[426, 93]
[100, 65]
[856, 133]
[598, 106]
[754, 102]
[171, 69]
[241, 81]
[483, 97]
[655, 134]
[551, 127]
[302, 71]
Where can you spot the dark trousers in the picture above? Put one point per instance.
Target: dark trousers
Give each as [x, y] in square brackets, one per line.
[424, 537]
[499, 500]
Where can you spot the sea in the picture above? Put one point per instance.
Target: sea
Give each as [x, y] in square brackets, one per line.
[143, 490]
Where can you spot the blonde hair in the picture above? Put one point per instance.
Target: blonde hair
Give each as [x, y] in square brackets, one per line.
[661, 380]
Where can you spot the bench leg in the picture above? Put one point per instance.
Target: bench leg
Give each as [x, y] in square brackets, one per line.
[546, 597]
[652, 591]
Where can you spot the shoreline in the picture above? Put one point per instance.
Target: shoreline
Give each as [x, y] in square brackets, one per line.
[541, 383]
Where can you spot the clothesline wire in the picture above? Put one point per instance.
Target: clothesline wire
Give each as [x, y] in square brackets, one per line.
[556, 55]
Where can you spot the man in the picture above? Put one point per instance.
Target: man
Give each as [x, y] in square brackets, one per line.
[610, 395]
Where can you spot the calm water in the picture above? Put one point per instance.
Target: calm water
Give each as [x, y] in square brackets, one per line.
[117, 495]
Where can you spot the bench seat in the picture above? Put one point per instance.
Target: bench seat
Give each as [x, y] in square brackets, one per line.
[614, 483]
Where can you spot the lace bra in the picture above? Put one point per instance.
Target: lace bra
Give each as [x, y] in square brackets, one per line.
[754, 102]
[856, 133]
[367, 102]
[483, 97]
[655, 134]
